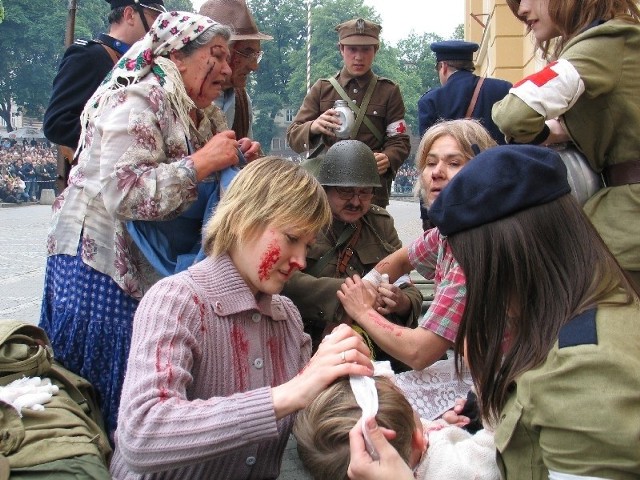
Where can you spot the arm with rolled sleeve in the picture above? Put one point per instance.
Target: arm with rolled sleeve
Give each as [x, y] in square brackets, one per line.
[431, 256]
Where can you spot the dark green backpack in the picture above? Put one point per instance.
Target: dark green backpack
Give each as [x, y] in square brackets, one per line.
[69, 428]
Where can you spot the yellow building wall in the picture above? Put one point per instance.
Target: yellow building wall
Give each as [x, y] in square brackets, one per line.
[506, 50]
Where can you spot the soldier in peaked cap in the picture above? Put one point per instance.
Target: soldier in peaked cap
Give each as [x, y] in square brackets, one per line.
[245, 57]
[381, 125]
[82, 69]
[454, 63]
[462, 94]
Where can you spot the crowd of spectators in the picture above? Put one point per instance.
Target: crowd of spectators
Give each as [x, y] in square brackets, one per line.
[26, 168]
[405, 179]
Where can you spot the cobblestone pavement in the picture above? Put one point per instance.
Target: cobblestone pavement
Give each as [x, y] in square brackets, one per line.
[23, 231]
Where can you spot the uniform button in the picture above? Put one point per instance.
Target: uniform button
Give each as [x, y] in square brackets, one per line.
[375, 112]
[258, 363]
[256, 317]
[218, 307]
[355, 90]
[250, 461]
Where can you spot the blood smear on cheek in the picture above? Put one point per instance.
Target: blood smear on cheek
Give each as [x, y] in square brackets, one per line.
[268, 260]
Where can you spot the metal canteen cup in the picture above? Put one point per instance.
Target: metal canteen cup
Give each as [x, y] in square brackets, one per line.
[346, 119]
[583, 180]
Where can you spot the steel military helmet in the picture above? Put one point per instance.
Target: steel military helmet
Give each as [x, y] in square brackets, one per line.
[349, 163]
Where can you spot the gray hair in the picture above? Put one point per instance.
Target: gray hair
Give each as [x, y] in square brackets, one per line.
[216, 30]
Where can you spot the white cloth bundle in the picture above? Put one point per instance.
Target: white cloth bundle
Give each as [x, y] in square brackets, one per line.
[28, 392]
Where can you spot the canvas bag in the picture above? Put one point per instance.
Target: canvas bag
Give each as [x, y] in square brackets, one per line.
[71, 424]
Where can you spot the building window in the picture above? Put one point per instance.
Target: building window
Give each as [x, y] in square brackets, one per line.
[290, 114]
[276, 144]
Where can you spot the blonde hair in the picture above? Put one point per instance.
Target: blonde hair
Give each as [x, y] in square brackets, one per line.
[465, 131]
[269, 191]
[322, 429]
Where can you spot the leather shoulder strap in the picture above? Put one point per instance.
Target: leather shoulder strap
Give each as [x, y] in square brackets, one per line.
[324, 259]
[115, 56]
[474, 98]
[347, 253]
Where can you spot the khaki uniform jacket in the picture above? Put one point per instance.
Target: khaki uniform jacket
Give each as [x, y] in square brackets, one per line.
[385, 108]
[604, 123]
[579, 411]
[316, 297]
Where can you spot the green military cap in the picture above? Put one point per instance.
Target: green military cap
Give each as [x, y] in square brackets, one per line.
[359, 32]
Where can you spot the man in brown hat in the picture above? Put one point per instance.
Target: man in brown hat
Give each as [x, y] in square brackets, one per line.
[381, 125]
[82, 69]
[246, 54]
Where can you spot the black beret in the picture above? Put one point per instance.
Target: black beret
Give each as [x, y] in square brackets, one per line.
[498, 182]
[454, 50]
[125, 3]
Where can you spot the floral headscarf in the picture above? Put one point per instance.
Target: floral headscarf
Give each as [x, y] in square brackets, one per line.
[170, 32]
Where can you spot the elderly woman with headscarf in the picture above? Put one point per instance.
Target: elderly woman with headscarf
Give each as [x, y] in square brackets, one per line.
[147, 141]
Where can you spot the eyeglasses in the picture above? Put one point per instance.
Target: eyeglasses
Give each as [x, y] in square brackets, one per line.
[257, 56]
[346, 193]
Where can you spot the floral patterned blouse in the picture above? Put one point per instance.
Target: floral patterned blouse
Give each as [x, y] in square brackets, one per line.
[135, 166]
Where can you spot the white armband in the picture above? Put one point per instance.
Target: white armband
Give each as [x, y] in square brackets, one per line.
[551, 91]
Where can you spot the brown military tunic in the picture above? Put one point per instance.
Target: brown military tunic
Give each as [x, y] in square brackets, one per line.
[316, 298]
[385, 109]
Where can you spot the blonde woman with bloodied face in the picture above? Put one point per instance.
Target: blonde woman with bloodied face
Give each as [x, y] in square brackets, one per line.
[219, 361]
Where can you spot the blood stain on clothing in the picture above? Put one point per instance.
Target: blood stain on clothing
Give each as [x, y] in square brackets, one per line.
[268, 260]
[240, 346]
[274, 344]
[201, 310]
[164, 368]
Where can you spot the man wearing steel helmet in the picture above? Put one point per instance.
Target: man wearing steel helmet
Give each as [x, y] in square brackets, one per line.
[82, 69]
[361, 235]
[381, 125]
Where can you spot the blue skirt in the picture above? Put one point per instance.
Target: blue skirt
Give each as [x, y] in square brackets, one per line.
[89, 319]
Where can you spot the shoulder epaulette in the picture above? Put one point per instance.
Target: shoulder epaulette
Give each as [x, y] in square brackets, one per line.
[376, 210]
[384, 79]
[580, 330]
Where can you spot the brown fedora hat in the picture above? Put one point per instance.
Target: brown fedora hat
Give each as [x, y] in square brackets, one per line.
[235, 14]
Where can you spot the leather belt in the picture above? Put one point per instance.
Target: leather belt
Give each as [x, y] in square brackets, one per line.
[622, 173]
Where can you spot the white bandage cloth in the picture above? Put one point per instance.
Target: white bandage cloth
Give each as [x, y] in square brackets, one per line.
[28, 392]
[364, 389]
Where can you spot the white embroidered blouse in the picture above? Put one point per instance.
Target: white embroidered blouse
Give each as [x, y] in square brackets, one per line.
[135, 166]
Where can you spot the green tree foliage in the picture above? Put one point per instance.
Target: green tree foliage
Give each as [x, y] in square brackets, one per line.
[29, 56]
[32, 39]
